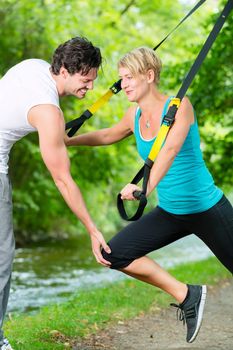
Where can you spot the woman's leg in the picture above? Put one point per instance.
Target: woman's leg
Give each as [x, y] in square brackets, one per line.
[151, 232]
[215, 228]
[129, 247]
[147, 270]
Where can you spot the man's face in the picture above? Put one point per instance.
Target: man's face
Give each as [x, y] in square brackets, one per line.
[78, 84]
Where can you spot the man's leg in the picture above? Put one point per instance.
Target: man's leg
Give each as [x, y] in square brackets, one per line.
[7, 246]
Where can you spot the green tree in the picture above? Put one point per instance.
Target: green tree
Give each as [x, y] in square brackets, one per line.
[34, 29]
[212, 95]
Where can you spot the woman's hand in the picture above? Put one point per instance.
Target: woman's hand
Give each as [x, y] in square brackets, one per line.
[66, 140]
[127, 192]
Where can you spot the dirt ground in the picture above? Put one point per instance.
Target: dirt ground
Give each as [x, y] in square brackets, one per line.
[159, 330]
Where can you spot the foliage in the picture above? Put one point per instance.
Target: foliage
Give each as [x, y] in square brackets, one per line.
[212, 97]
[35, 28]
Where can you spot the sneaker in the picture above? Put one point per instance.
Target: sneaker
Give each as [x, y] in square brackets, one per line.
[191, 310]
[6, 345]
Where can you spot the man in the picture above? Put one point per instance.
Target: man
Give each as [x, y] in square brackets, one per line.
[29, 102]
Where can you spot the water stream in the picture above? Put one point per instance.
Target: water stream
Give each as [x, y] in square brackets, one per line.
[52, 273]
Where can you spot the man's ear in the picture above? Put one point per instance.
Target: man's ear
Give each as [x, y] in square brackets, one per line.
[63, 72]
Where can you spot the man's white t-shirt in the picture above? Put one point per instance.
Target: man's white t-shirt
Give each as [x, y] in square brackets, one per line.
[24, 86]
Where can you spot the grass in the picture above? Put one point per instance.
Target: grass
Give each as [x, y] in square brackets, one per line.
[58, 326]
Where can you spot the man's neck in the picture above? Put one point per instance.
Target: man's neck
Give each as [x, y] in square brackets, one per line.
[58, 82]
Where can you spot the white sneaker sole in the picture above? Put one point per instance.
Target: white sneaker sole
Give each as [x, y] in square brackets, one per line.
[200, 313]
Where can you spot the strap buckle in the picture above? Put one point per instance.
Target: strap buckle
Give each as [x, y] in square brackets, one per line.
[116, 87]
[172, 109]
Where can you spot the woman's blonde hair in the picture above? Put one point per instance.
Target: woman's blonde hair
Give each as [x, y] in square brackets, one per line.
[140, 60]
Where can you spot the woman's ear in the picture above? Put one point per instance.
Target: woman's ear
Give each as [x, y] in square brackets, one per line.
[150, 76]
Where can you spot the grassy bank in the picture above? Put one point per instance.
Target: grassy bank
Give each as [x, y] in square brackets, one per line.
[57, 326]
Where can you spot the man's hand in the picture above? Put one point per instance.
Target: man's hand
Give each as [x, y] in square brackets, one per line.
[127, 192]
[98, 242]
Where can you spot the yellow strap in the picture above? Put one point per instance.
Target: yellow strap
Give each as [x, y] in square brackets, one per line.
[162, 134]
[101, 101]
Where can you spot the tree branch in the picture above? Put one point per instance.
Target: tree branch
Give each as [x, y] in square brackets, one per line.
[132, 2]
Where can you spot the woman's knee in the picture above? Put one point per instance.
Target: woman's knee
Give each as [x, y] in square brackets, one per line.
[117, 261]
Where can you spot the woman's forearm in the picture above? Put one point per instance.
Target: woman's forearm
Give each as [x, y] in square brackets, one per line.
[94, 138]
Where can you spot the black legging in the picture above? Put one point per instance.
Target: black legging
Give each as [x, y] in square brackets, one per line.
[160, 228]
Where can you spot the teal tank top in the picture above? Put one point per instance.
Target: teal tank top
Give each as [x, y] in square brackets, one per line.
[188, 186]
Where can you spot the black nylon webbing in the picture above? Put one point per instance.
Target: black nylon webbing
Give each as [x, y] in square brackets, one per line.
[184, 19]
[205, 49]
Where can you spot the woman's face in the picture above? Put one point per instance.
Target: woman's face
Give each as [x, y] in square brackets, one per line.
[135, 87]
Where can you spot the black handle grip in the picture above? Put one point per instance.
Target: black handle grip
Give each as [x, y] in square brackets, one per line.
[137, 194]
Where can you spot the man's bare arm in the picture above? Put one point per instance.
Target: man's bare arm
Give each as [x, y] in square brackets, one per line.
[49, 122]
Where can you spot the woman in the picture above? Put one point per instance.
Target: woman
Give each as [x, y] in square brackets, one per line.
[188, 200]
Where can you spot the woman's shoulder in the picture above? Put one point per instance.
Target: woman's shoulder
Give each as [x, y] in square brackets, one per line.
[131, 112]
[129, 116]
[187, 107]
[132, 109]
[185, 100]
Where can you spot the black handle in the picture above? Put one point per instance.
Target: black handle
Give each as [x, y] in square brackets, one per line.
[137, 194]
[138, 214]
[144, 173]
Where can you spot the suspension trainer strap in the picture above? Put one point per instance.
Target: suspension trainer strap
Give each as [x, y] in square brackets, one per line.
[75, 124]
[169, 118]
[184, 19]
